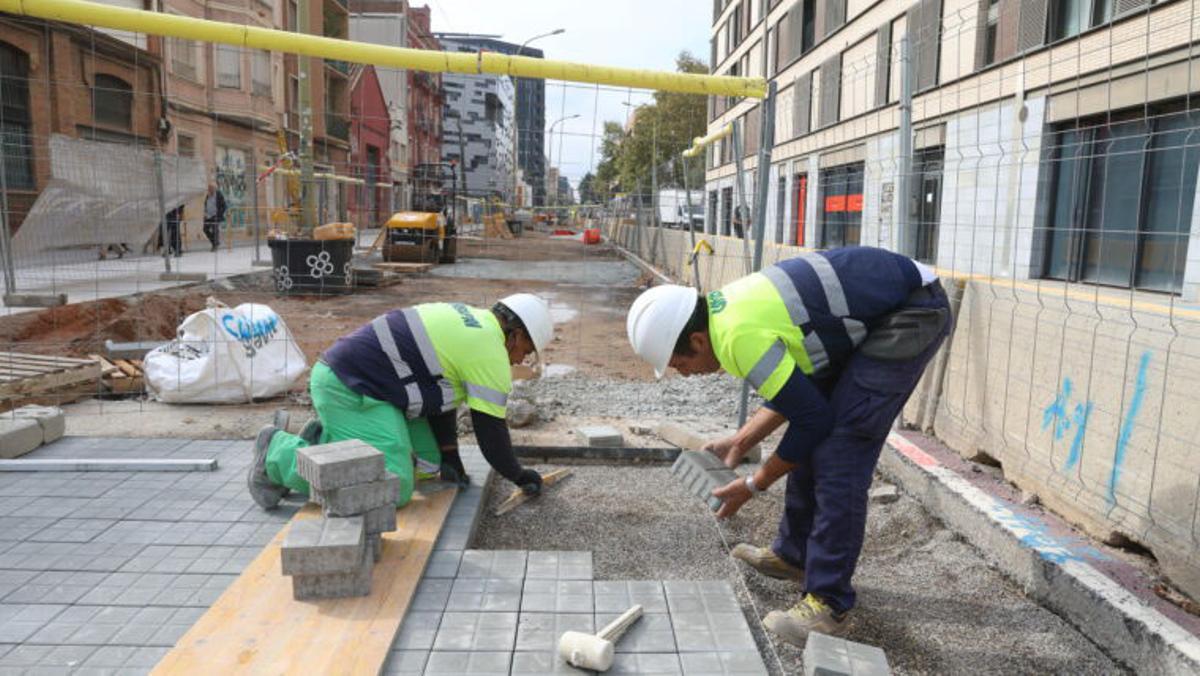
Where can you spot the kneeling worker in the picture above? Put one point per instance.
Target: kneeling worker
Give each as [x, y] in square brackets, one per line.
[835, 342]
[396, 383]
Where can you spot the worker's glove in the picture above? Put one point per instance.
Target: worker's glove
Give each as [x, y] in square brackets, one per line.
[529, 481]
[453, 470]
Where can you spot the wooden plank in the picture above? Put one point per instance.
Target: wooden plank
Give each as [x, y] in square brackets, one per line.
[403, 267]
[110, 465]
[128, 369]
[256, 627]
[52, 381]
[519, 497]
[106, 367]
[41, 358]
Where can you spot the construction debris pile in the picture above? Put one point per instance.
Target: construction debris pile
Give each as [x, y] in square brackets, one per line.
[332, 556]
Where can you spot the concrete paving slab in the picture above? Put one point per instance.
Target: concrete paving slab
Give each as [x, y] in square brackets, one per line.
[405, 663]
[51, 419]
[558, 596]
[704, 632]
[539, 632]
[432, 595]
[617, 596]
[601, 436]
[536, 663]
[710, 596]
[646, 664]
[338, 465]
[723, 664]
[485, 594]
[476, 632]
[469, 663]
[493, 563]
[652, 633]
[558, 565]
[443, 564]
[417, 630]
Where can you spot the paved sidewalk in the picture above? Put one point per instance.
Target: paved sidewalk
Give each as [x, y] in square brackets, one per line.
[83, 277]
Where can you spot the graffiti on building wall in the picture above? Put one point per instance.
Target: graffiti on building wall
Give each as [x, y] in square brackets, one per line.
[1066, 413]
[231, 181]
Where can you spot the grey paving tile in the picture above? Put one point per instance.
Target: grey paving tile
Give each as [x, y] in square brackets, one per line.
[493, 563]
[67, 656]
[405, 663]
[72, 530]
[646, 664]
[14, 579]
[25, 655]
[532, 664]
[109, 657]
[723, 664]
[711, 596]
[705, 632]
[557, 596]
[417, 631]
[539, 632]
[559, 565]
[146, 657]
[617, 596]
[653, 633]
[19, 622]
[443, 564]
[485, 594]
[476, 632]
[468, 663]
[432, 595]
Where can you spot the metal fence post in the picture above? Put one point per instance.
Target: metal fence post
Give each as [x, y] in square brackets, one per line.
[901, 201]
[766, 141]
[10, 280]
[162, 210]
[252, 181]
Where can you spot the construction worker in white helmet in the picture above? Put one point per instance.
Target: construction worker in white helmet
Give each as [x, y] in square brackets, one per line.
[835, 342]
[396, 384]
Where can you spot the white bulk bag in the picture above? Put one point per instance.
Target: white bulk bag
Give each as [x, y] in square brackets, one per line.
[225, 355]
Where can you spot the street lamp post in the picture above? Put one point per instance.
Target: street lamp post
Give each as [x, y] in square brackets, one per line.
[516, 127]
[550, 154]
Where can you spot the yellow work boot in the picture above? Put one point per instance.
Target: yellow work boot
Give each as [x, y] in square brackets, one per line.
[810, 615]
[767, 562]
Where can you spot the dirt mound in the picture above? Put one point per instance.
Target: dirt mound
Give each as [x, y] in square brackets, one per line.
[80, 329]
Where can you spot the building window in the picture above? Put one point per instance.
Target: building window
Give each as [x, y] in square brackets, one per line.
[841, 205]
[293, 16]
[15, 119]
[260, 72]
[229, 67]
[799, 205]
[1121, 193]
[926, 206]
[990, 30]
[112, 101]
[183, 59]
[1067, 18]
[186, 145]
[711, 213]
[726, 211]
[780, 206]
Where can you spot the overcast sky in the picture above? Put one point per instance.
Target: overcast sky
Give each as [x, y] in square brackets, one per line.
[628, 33]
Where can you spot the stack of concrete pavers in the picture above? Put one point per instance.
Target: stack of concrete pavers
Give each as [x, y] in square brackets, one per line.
[24, 429]
[830, 656]
[700, 472]
[332, 556]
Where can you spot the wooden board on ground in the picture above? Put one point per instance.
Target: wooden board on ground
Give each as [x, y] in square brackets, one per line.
[519, 497]
[403, 267]
[31, 378]
[121, 376]
[256, 627]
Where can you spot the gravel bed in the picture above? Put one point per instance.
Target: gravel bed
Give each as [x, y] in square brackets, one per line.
[925, 596]
[713, 396]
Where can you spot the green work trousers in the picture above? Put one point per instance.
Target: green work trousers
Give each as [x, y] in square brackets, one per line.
[346, 414]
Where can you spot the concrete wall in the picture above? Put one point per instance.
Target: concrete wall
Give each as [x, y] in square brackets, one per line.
[1085, 397]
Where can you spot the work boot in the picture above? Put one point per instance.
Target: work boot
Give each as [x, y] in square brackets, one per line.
[311, 432]
[767, 562]
[810, 615]
[264, 492]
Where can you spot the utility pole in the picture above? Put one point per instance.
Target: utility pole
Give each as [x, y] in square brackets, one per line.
[308, 209]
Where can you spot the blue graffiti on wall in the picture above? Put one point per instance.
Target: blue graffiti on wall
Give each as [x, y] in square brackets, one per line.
[1131, 414]
[1056, 413]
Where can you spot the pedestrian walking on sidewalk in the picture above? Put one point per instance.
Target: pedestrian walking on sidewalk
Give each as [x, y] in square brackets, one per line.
[396, 384]
[835, 342]
[214, 215]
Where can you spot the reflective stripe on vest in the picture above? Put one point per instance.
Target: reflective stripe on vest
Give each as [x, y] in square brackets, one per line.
[766, 364]
[421, 338]
[787, 290]
[383, 332]
[487, 394]
[834, 295]
[817, 354]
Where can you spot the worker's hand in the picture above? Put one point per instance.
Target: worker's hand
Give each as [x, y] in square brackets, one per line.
[732, 496]
[726, 449]
[529, 481]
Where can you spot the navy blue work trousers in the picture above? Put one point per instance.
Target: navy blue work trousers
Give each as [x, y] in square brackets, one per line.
[825, 509]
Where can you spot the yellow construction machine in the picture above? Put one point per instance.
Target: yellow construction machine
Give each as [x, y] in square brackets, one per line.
[426, 232]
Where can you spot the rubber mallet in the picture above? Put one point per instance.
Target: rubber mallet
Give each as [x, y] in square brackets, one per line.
[595, 651]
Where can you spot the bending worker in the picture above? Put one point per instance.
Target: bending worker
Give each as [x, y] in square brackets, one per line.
[835, 342]
[396, 383]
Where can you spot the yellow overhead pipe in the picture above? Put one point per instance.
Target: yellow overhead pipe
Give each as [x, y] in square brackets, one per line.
[701, 142]
[253, 37]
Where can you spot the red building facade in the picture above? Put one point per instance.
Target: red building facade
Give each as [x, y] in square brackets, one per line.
[370, 203]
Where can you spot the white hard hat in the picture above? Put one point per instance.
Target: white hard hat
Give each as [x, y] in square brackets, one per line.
[534, 313]
[655, 321]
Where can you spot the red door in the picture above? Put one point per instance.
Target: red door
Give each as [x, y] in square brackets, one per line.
[801, 190]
